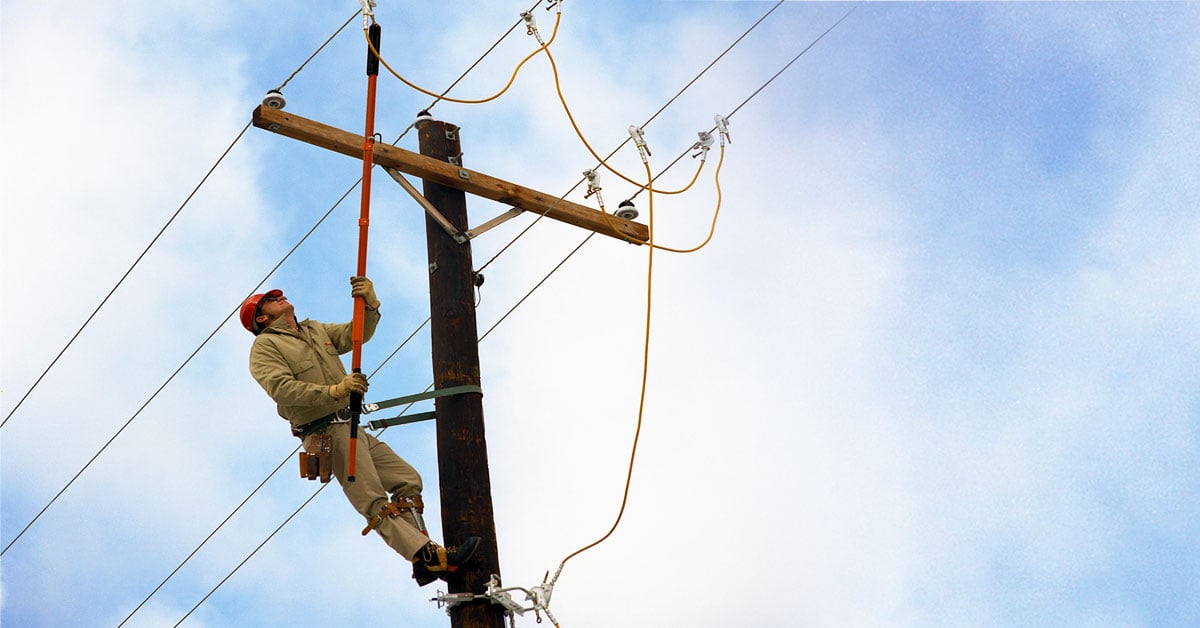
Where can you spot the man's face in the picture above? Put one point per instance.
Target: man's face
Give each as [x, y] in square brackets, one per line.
[272, 308]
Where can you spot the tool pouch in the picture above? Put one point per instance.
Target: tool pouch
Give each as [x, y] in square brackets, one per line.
[318, 463]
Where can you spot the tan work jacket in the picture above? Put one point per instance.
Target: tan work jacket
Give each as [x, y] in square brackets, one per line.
[296, 367]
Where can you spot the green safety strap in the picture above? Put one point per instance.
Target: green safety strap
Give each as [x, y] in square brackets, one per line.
[433, 394]
[420, 416]
[401, 420]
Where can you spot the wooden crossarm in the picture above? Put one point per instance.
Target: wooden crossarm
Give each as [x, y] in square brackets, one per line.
[449, 175]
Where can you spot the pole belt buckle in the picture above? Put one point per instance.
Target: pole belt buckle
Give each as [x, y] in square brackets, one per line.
[341, 416]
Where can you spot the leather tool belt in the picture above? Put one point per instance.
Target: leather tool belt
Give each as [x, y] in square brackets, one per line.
[302, 431]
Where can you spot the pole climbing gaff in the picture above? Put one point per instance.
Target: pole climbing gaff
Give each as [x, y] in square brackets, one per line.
[356, 325]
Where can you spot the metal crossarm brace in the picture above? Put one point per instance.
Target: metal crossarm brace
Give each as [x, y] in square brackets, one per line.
[498, 220]
[429, 208]
[459, 237]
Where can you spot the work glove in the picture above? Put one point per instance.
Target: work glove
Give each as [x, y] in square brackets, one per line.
[362, 287]
[354, 382]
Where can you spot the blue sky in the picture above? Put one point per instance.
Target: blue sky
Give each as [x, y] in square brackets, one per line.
[938, 365]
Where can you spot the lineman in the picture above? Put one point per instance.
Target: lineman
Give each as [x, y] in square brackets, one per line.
[297, 363]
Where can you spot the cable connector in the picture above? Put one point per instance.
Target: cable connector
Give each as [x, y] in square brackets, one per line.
[554, 3]
[723, 128]
[496, 594]
[705, 143]
[531, 26]
[593, 179]
[639, 138]
[368, 11]
[539, 597]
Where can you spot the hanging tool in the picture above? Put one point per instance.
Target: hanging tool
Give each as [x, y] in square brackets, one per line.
[356, 325]
[319, 461]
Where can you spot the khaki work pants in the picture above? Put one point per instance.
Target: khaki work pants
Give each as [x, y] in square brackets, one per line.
[378, 472]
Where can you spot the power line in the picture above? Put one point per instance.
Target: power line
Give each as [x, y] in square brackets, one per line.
[637, 433]
[521, 301]
[126, 275]
[482, 57]
[711, 64]
[170, 378]
[161, 231]
[317, 51]
[252, 553]
[385, 361]
[456, 81]
[209, 537]
[215, 330]
[442, 96]
[265, 541]
[795, 58]
[653, 116]
[238, 508]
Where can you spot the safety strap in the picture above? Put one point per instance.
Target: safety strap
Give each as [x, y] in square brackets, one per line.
[433, 394]
[393, 509]
[379, 424]
[405, 419]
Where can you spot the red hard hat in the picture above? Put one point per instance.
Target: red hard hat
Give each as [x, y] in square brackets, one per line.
[250, 310]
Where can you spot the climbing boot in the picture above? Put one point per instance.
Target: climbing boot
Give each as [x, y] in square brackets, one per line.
[434, 561]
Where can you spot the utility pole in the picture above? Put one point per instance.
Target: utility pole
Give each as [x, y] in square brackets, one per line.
[466, 486]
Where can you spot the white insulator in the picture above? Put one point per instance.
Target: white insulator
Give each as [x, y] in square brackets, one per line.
[274, 99]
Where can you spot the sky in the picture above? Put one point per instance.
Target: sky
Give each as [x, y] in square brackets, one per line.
[938, 365]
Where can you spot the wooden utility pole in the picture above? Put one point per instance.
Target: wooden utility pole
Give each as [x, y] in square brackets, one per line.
[466, 486]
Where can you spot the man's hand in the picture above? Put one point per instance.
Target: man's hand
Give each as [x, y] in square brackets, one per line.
[354, 382]
[362, 287]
